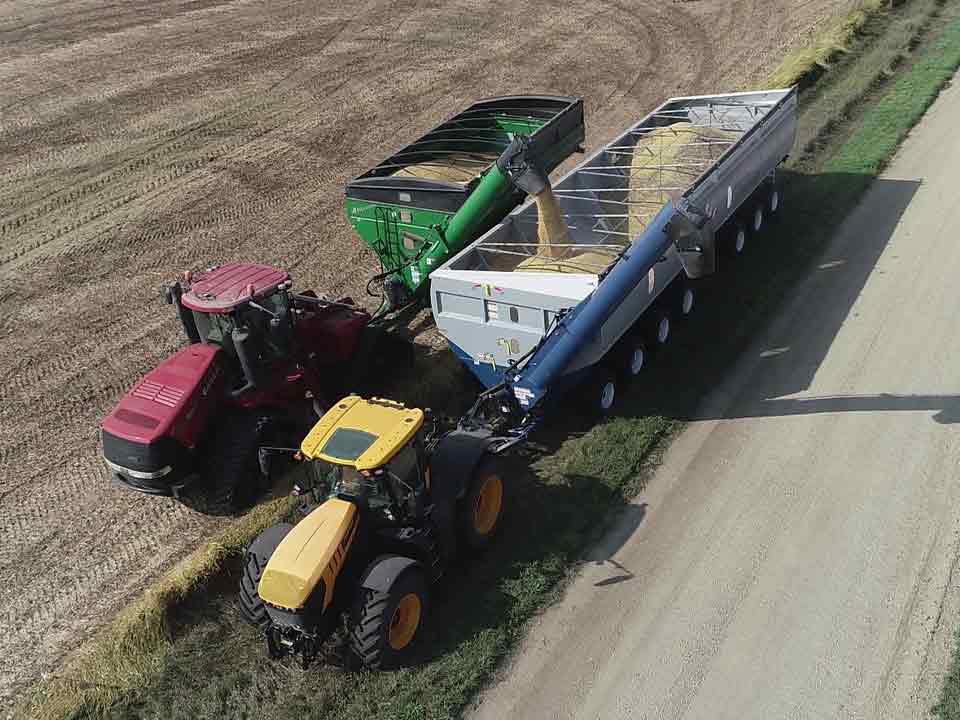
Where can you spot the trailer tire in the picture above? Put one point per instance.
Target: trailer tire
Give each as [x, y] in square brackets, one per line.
[481, 508]
[775, 200]
[598, 393]
[633, 356]
[756, 218]
[385, 623]
[659, 327]
[734, 241]
[686, 301]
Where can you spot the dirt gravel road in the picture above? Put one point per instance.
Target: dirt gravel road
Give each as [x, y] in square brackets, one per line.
[140, 139]
[798, 550]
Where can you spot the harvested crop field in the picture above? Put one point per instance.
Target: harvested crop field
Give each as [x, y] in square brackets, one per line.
[141, 139]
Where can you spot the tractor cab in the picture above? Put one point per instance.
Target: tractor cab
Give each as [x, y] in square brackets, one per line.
[244, 309]
[371, 453]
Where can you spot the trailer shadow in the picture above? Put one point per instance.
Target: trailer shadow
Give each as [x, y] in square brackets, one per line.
[739, 303]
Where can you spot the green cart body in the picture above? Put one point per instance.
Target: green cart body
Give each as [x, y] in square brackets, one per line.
[427, 201]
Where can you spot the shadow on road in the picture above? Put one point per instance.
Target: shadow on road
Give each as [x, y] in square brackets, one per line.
[726, 323]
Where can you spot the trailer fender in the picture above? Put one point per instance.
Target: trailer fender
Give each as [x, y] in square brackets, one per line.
[454, 461]
[383, 572]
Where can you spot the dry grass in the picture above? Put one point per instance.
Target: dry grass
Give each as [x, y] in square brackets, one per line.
[806, 64]
[132, 649]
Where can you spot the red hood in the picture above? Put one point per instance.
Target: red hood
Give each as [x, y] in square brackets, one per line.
[149, 410]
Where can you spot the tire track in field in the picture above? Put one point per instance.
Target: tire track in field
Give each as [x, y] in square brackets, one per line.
[102, 184]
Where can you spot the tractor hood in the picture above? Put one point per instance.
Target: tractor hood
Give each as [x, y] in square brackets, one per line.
[170, 391]
[313, 551]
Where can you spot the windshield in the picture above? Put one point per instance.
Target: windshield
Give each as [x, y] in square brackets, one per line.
[348, 444]
[214, 328]
[343, 481]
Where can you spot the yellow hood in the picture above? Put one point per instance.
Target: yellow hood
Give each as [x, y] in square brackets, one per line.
[316, 548]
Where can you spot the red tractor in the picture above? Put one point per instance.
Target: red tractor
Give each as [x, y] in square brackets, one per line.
[262, 362]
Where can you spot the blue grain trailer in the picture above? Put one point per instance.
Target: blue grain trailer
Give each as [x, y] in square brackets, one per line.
[577, 284]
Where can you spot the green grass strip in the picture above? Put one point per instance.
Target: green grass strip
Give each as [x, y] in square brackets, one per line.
[888, 123]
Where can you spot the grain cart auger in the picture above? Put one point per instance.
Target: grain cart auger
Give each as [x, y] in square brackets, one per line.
[260, 358]
[425, 202]
[399, 493]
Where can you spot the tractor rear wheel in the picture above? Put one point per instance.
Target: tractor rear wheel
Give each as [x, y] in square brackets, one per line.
[254, 561]
[386, 623]
[481, 508]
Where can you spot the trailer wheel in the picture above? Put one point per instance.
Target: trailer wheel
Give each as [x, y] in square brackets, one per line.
[775, 197]
[734, 240]
[756, 222]
[686, 300]
[598, 394]
[385, 624]
[635, 358]
[480, 510]
[659, 327]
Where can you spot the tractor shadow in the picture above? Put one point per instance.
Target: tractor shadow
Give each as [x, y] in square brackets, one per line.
[553, 524]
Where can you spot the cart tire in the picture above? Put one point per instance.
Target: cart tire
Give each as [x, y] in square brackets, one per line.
[634, 357]
[756, 219]
[659, 328]
[686, 301]
[734, 241]
[598, 393]
[385, 624]
[480, 509]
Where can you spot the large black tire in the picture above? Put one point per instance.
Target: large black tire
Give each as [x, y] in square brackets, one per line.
[383, 629]
[254, 561]
[481, 508]
[233, 476]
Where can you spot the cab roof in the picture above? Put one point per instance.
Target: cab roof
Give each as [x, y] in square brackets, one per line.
[224, 288]
[364, 434]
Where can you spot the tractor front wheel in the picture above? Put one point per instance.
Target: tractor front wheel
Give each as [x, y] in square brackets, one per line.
[254, 561]
[231, 471]
[386, 623]
[481, 508]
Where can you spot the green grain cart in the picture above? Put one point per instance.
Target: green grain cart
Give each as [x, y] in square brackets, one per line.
[427, 201]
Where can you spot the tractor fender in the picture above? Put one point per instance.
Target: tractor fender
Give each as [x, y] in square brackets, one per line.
[384, 571]
[453, 462]
[269, 540]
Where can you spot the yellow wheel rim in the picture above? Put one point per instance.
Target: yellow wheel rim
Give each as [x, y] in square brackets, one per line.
[487, 508]
[405, 621]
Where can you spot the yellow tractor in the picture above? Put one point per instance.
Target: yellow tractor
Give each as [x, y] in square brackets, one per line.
[402, 492]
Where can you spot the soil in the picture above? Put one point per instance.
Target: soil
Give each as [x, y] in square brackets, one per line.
[141, 139]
